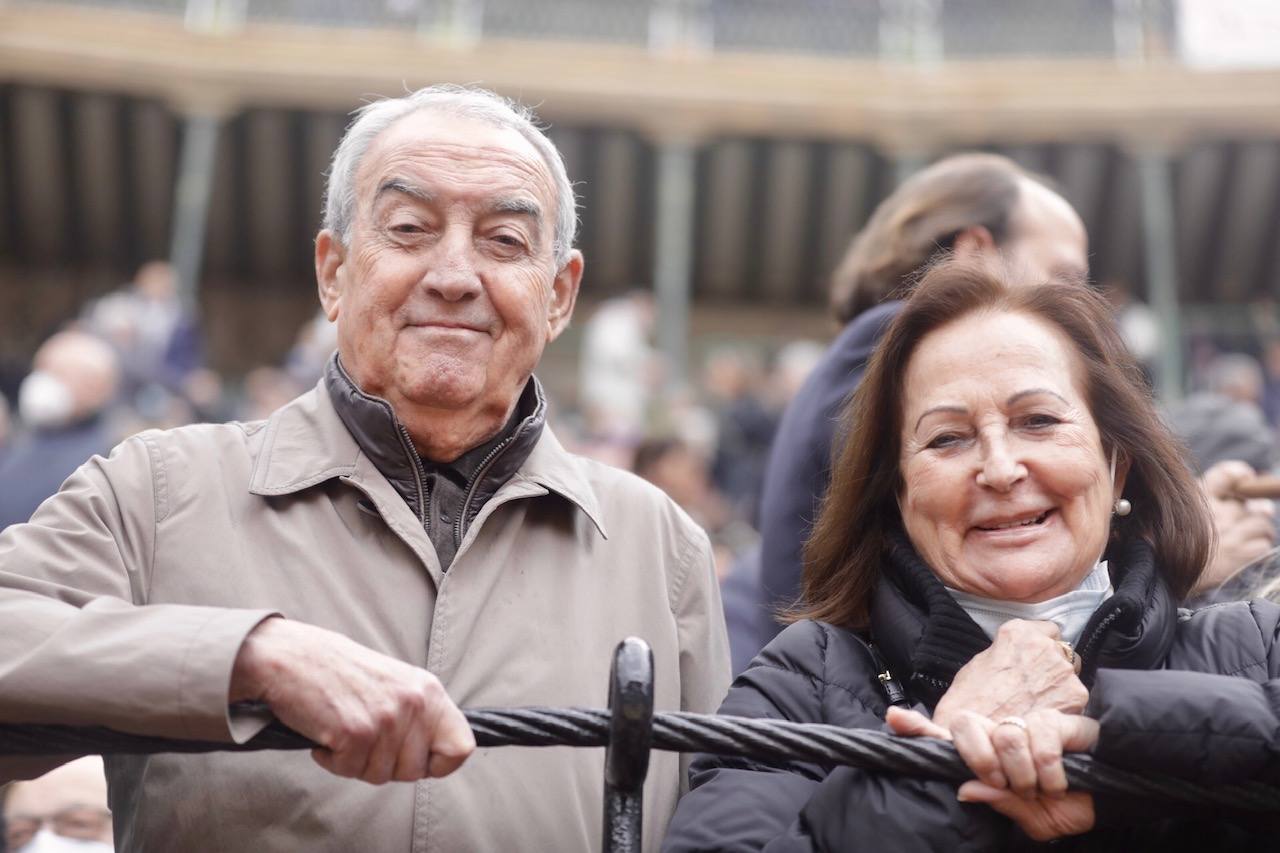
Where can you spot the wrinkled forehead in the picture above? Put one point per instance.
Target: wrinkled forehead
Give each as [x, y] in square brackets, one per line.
[993, 349]
[468, 152]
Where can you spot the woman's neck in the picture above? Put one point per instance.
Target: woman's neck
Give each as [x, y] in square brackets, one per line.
[1070, 611]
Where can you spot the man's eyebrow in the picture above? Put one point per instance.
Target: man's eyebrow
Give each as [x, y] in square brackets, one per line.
[519, 206]
[399, 185]
[526, 208]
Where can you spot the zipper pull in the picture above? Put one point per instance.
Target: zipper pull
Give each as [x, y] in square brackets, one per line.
[893, 690]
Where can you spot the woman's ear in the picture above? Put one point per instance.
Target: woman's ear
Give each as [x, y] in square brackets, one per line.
[1119, 473]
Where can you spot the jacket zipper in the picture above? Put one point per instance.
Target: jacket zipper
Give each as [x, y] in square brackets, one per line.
[418, 476]
[1086, 648]
[475, 482]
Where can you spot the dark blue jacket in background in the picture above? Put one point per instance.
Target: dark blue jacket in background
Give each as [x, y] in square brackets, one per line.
[799, 468]
[35, 465]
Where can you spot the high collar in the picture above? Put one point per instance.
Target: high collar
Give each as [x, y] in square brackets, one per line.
[385, 440]
[927, 637]
[306, 442]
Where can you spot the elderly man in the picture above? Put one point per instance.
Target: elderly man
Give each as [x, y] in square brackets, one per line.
[407, 538]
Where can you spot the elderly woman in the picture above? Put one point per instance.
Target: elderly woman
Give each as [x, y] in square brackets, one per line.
[1009, 531]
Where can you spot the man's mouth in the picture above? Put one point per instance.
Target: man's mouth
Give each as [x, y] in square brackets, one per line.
[1010, 525]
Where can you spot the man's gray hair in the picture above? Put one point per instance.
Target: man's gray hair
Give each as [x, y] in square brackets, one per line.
[463, 101]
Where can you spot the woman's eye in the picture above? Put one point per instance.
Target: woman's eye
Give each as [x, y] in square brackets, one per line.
[1040, 421]
[406, 228]
[943, 441]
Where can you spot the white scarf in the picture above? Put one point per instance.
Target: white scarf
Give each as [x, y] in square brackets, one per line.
[1071, 610]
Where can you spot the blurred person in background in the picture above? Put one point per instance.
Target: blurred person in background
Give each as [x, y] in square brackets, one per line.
[63, 407]
[160, 349]
[6, 426]
[151, 588]
[1230, 441]
[63, 811]
[1271, 380]
[735, 386]
[619, 368]
[970, 204]
[311, 350]
[266, 389]
[1224, 419]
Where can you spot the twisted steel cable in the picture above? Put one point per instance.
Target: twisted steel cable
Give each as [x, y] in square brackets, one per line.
[775, 741]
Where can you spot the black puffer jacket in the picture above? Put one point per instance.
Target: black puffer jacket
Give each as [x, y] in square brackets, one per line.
[1192, 694]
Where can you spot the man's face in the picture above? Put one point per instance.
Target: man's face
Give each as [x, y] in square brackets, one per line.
[447, 292]
[1046, 238]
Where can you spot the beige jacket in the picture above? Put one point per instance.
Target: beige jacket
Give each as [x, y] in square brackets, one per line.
[126, 598]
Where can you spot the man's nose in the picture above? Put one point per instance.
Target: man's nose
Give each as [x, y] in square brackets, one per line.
[1001, 468]
[451, 274]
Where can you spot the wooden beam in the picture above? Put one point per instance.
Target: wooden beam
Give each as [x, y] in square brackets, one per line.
[689, 96]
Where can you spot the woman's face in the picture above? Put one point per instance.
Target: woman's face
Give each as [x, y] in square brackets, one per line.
[1006, 493]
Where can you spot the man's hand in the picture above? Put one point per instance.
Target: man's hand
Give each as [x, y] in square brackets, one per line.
[1246, 528]
[1023, 669]
[377, 719]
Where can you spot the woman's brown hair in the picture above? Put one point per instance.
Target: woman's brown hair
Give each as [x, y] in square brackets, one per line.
[921, 220]
[843, 556]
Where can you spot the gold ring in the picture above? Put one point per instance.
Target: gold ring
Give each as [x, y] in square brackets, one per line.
[1070, 654]
[1013, 721]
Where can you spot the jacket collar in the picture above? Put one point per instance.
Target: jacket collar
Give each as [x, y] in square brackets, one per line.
[927, 636]
[307, 442]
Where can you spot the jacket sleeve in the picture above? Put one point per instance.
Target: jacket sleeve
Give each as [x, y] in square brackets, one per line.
[740, 805]
[1201, 725]
[79, 644]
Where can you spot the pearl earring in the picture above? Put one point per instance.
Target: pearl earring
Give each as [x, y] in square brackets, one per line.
[1123, 507]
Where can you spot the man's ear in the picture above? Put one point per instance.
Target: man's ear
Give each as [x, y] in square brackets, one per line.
[974, 240]
[330, 256]
[564, 294]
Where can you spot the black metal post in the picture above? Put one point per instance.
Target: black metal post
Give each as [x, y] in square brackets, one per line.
[626, 760]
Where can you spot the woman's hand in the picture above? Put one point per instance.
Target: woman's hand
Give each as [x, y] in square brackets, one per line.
[1025, 668]
[1018, 762]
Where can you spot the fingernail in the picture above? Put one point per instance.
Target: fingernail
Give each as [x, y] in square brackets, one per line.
[963, 796]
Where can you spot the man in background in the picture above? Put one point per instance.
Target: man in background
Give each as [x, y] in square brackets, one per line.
[62, 404]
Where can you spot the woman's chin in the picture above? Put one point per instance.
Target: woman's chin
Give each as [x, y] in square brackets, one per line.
[1038, 570]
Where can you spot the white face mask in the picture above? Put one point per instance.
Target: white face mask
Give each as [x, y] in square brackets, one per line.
[46, 842]
[45, 401]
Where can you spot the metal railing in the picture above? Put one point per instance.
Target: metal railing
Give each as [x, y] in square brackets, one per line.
[630, 729]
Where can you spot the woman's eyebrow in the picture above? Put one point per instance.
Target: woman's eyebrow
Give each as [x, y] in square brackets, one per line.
[955, 410]
[1031, 392]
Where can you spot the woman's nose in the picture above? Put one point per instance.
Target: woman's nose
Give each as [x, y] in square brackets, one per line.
[1001, 469]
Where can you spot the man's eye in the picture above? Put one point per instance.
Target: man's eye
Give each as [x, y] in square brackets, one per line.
[406, 228]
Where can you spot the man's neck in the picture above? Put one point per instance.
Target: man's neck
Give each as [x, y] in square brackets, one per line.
[443, 435]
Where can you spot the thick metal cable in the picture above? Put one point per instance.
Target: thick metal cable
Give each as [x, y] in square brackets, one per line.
[774, 741]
